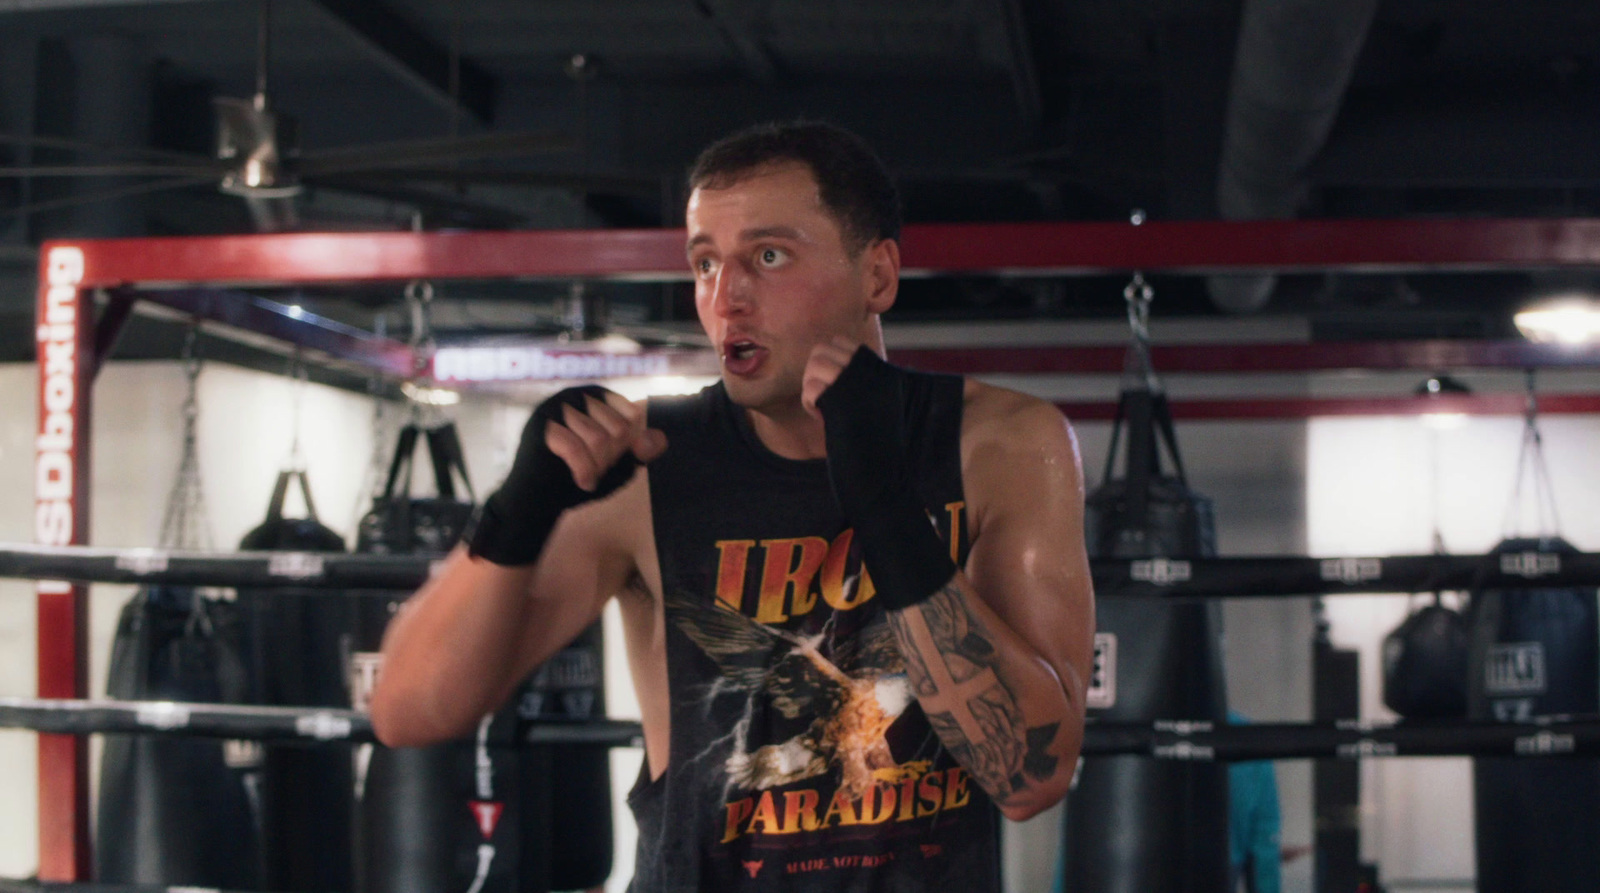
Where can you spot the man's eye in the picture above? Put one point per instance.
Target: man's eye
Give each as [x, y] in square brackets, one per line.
[771, 257]
[704, 266]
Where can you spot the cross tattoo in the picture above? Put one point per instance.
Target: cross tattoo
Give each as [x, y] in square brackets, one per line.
[949, 696]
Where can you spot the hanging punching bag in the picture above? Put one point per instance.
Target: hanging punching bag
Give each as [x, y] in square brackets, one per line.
[1535, 653]
[571, 686]
[296, 651]
[488, 814]
[1133, 824]
[180, 811]
[414, 828]
[177, 811]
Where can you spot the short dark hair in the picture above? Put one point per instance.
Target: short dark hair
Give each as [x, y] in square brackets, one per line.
[853, 183]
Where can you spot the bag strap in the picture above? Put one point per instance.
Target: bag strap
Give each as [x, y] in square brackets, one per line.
[406, 445]
[449, 460]
[280, 492]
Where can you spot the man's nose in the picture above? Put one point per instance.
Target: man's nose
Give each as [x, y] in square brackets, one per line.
[730, 291]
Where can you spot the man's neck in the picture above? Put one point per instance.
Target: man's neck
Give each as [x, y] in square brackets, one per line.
[791, 433]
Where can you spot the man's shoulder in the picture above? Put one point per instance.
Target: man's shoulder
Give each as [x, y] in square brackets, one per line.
[1002, 416]
[1015, 449]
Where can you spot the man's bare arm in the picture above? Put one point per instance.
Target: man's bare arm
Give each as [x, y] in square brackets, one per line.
[458, 648]
[551, 546]
[998, 656]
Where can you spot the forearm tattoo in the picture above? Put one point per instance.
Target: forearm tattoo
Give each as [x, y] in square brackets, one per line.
[950, 659]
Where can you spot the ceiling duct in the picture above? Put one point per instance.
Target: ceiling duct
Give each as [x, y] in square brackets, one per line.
[1292, 64]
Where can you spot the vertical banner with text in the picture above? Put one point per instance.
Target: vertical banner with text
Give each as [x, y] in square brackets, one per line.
[65, 341]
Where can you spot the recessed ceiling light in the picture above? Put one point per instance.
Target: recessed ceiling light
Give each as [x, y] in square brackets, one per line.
[1562, 321]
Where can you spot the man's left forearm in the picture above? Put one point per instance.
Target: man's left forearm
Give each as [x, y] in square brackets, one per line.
[1002, 710]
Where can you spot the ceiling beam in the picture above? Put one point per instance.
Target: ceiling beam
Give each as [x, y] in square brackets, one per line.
[279, 328]
[412, 56]
[1014, 249]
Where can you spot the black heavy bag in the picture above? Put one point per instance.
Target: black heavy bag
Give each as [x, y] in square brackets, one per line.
[402, 524]
[449, 816]
[297, 639]
[571, 686]
[490, 814]
[1136, 825]
[1425, 664]
[1534, 654]
[173, 810]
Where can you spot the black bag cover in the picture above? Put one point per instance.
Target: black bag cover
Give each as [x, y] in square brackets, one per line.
[1535, 653]
[571, 686]
[297, 642]
[1136, 825]
[1425, 665]
[401, 524]
[527, 819]
[172, 810]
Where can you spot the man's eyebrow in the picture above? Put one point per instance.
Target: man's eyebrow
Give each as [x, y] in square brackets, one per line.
[751, 235]
[770, 232]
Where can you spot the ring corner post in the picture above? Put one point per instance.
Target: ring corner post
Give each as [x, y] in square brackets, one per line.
[66, 361]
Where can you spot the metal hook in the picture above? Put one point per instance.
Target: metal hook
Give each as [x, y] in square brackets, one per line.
[1138, 294]
[298, 378]
[419, 298]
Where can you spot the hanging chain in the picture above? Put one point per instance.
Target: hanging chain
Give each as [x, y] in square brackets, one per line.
[1138, 369]
[297, 393]
[184, 524]
[419, 299]
[1531, 464]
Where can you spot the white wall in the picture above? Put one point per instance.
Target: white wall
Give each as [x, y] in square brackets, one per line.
[1371, 491]
[244, 432]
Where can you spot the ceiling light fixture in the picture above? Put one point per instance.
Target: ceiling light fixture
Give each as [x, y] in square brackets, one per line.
[1442, 387]
[1569, 320]
[429, 396]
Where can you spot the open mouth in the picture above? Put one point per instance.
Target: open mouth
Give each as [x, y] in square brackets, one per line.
[741, 356]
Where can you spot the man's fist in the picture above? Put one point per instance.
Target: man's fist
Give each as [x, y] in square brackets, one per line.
[580, 445]
[862, 403]
[823, 368]
[591, 439]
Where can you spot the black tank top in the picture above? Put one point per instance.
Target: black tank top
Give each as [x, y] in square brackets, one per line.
[799, 759]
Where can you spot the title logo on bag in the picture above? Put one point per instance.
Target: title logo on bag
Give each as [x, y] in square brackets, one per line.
[363, 678]
[1102, 693]
[1515, 668]
[487, 815]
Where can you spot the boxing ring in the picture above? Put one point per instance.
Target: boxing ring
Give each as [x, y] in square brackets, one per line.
[89, 289]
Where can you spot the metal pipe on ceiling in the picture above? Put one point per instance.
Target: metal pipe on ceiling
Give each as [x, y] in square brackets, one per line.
[1291, 66]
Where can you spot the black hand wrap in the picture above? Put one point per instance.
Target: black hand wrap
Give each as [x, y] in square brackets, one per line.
[517, 519]
[864, 414]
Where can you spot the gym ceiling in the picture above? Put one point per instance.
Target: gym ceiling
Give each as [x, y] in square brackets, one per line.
[987, 110]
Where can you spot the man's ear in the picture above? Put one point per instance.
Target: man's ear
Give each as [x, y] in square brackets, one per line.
[883, 275]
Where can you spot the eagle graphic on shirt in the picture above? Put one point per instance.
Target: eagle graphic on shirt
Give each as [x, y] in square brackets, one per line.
[853, 685]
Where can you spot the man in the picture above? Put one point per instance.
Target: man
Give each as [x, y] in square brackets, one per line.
[855, 599]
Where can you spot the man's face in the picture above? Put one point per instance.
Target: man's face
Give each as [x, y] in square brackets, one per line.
[773, 277]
